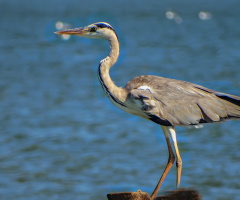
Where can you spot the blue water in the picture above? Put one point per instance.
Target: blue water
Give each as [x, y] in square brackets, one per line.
[60, 137]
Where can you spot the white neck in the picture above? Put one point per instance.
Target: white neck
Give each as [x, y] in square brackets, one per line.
[115, 93]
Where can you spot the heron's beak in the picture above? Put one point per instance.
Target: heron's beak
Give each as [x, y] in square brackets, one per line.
[75, 31]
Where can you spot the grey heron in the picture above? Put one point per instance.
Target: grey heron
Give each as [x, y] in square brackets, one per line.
[167, 102]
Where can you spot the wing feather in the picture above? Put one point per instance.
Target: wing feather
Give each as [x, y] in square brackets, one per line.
[179, 102]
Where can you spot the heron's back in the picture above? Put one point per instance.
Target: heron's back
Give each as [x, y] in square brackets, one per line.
[173, 102]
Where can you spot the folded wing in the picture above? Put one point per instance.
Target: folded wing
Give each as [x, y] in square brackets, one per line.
[172, 102]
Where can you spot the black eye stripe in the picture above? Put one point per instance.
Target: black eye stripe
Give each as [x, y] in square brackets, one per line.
[102, 25]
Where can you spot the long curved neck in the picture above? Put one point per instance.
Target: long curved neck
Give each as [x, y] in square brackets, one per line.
[115, 93]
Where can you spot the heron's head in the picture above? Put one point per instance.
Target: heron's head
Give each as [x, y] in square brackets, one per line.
[97, 30]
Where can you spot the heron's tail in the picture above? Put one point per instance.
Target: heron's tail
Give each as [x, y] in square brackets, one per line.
[230, 98]
[231, 104]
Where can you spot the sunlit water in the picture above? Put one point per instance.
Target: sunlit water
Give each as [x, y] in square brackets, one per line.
[60, 136]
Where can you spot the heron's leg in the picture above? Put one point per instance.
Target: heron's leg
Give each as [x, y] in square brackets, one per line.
[179, 160]
[170, 162]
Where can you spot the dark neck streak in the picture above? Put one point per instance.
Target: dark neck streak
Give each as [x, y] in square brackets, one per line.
[116, 94]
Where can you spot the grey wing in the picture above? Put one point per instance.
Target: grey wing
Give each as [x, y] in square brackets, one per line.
[182, 103]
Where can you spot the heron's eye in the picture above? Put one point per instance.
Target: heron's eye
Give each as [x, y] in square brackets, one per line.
[93, 29]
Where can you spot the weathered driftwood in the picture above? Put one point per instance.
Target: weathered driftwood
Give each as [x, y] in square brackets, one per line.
[139, 195]
[180, 194]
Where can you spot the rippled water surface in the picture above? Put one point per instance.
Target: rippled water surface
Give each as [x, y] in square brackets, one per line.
[60, 137]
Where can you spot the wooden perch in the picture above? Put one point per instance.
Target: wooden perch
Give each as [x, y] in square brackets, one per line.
[180, 194]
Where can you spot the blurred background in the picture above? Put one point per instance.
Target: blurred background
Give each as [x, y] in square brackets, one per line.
[60, 137]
